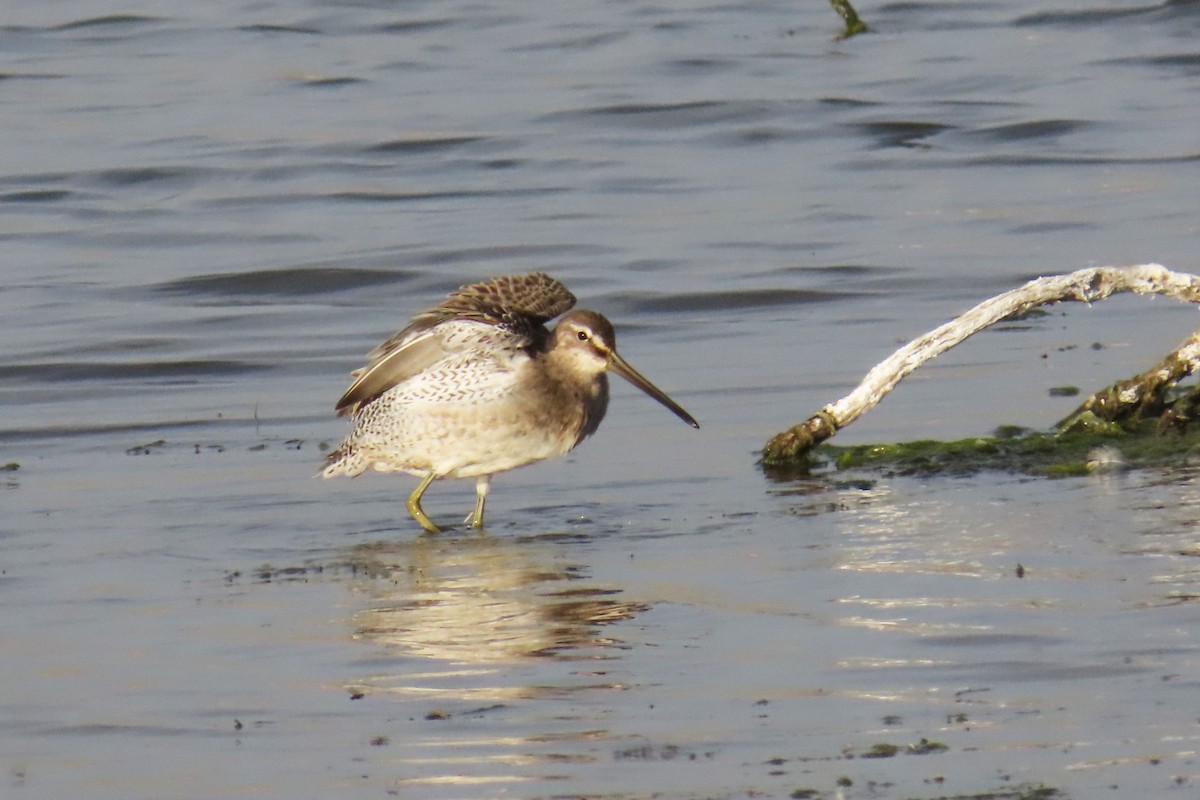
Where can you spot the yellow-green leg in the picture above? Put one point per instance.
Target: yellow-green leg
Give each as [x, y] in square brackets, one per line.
[414, 505]
[475, 519]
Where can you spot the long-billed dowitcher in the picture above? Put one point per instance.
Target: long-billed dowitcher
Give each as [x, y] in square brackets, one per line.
[478, 385]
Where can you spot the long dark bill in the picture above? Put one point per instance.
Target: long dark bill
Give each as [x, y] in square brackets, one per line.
[622, 368]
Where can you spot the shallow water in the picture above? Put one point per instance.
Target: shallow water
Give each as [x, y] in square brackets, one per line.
[210, 212]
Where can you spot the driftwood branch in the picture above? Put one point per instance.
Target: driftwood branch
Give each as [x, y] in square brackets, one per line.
[1085, 285]
[1144, 396]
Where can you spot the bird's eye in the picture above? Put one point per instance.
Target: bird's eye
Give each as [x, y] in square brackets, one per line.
[583, 336]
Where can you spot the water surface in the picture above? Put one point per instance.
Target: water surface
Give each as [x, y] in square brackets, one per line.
[210, 212]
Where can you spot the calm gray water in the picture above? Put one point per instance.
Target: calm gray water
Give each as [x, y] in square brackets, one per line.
[209, 212]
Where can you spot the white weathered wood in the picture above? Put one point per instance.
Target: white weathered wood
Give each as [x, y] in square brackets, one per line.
[1085, 285]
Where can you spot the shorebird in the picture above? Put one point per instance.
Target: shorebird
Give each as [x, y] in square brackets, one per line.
[477, 385]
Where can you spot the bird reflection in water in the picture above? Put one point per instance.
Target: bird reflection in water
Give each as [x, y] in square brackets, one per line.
[483, 600]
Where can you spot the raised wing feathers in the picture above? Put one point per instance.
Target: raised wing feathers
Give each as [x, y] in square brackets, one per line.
[536, 297]
[401, 361]
[505, 313]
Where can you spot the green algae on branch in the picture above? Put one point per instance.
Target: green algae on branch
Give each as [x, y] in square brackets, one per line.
[925, 747]
[1124, 406]
[881, 750]
[849, 16]
[1050, 455]
[888, 750]
[1153, 395]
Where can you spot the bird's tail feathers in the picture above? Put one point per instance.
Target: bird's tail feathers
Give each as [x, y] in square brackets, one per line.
[343, 461]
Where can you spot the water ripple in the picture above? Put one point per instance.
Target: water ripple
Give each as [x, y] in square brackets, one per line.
[1036, 129]
[292, 282]
[136, 176]
[181, 370]
[276, 28]
[901, 133]
[35, 196]
[1091, 16]
[328, 82]
[663, 116]
[574, 44]
[730, 300]
[1185, 64]
[108, 21]
[422, 145]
